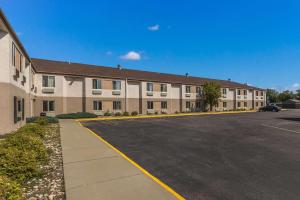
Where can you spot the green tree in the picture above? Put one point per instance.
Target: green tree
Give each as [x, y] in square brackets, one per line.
[298, 94]
[286, 95]
[211, 94]
[272, 96]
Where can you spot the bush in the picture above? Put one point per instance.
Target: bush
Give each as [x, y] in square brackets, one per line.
[176, 112]
[163, 112]
[156, 112]
[20, 165]
[134, 113]
[107, 113]
[51, 120]
[126, 114]
[77, 115]
[9, 190]
[25, 141]
[33, 128]
[118, 114]
[42, 121]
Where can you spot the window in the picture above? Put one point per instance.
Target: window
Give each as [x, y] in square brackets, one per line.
[256, 93]
[96, 84]
[224, 91]
[198, 90]
[245, 92]
[261, 103]
[239, 104]
[256, 104]
[188, 89]
[116, 85]
[198, 104]
[245, 104]
[117, 105]
[48, 81]
[163, 88]
[150, 105]
[97, 105]
[17, 58]
[239, 92]
[48, 106]
[149, 87]
[261, 93]
[164, 105]
[188, 104]
[224, 104]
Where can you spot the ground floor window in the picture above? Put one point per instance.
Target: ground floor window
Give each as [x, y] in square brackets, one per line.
[97, 105]
[48, 106]
[188, 104]
[245, 104]
[164, 105]
[117, 105]
[198, 104]
[19, 109]
[256, 104]
[239, 104]
[261, 103]
[224, 104]
[150, 105]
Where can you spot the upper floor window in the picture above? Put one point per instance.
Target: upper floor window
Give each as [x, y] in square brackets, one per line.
[188, 89]
[96, 84]
[163, 88]
[116, 85]
[256, 93]
[261, 93]
[198, 90]
[48, 81]
[224, 91]
[239, 92]
[17, 58]
[150, 87]
[245, 92]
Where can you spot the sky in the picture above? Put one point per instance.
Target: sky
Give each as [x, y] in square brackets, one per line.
[255, 42]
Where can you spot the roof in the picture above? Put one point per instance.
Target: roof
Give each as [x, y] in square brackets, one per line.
[13, 34]
[78, 69]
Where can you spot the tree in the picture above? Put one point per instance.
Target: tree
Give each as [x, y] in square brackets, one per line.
[298, 94]
[211, 94]
[272, 96]
[286, 95]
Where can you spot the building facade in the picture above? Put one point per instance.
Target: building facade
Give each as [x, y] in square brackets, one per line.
[30, 87]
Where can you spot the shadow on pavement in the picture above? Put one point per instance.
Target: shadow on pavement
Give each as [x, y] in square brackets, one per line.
[296, 119]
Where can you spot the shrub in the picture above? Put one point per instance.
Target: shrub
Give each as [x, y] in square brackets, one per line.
[18, 164]
[25, 141]
[176, 112]
[9, 190]
[118, 114]
[77, 115]
[51, 120]
[42, 121]
[163, 112]
[33, 128]
[134, 113]
[126, 114]
[156, 112]
[107, 113]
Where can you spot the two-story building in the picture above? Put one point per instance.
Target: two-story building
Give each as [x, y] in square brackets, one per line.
[30, 87]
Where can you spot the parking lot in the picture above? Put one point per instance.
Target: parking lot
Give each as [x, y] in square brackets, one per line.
[230, 156]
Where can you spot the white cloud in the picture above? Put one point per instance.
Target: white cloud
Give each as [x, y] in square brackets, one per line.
[108, 53]
[131, 55]
[153, 28]
[296, 86]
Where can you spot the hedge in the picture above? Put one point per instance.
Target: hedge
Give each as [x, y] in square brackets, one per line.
[9, 190]
[77, 115]
[50, 120]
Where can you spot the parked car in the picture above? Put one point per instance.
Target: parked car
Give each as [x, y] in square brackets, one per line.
[270, 108]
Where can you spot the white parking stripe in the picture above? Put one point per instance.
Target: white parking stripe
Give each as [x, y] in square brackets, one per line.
[284, 129]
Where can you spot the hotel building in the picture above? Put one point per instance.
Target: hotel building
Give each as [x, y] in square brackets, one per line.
[31, 86]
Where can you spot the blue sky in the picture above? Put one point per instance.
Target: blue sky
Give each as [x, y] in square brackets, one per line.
[255, 42]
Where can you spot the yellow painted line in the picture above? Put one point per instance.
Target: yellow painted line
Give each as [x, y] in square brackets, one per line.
[166, 187]
[160, 116]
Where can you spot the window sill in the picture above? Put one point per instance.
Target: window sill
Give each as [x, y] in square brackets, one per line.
[48, 90]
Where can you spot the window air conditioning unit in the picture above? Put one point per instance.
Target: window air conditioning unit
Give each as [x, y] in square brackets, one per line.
[116, 92]
[97, 91]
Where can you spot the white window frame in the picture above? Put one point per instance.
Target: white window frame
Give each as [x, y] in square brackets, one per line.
[164, 103]
[149, 87]
[151, 105]
[117, 105]
[117, 83]
[48, 76]
[186, 89]
[98, 84]
[48, 106]
[96, 105]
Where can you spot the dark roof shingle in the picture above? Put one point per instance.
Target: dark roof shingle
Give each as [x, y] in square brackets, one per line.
[77, 69]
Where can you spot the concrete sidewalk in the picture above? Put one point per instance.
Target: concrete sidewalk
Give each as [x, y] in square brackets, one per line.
[95, 171]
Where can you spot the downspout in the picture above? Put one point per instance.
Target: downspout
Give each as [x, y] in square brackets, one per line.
[126, 96]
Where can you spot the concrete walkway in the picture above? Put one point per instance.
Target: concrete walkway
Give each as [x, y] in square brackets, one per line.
[95, 171]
